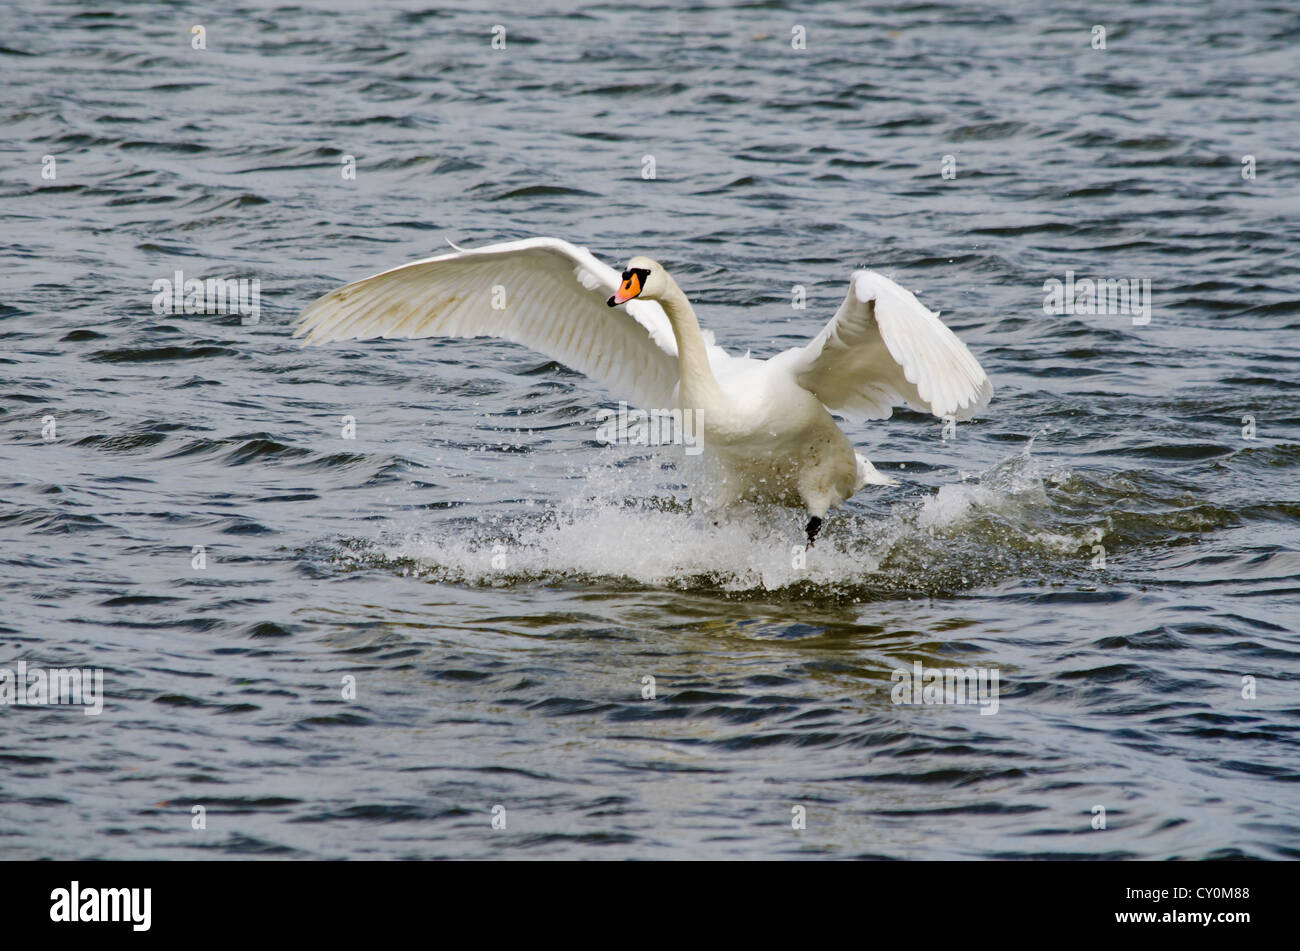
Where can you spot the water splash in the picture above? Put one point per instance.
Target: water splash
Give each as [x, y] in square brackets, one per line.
[966, 534]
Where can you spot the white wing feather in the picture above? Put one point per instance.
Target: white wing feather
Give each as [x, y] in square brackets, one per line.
[883, 348]
[554, 296]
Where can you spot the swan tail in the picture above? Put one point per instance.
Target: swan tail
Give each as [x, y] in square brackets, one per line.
[870, 475]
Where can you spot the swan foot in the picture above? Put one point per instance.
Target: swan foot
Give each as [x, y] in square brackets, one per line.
[814, 525]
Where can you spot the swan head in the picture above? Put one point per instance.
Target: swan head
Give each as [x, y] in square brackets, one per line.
[641, 278]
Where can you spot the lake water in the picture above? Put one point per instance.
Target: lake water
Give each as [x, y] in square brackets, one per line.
[1116, 536]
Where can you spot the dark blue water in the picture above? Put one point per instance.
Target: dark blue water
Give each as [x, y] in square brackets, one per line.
[519, 683]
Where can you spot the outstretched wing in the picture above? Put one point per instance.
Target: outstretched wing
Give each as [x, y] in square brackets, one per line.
[543, 293]
[883, 348]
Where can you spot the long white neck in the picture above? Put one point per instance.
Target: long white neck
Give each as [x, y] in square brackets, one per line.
[698, 384]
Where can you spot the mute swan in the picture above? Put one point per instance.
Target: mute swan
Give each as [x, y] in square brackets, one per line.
[765, 421]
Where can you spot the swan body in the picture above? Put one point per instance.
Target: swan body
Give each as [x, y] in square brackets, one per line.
[766, 424]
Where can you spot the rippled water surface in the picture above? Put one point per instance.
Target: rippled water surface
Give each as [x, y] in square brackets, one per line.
[499, 584]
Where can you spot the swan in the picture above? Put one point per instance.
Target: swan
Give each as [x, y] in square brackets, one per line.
[766, 423]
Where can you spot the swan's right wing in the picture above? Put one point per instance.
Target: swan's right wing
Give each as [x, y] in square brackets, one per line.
[543, 293]
[883, 347]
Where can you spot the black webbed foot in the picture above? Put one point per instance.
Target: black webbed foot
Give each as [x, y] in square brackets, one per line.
[814, 525]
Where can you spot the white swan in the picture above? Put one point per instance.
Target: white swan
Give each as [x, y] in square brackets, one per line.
[766, 422]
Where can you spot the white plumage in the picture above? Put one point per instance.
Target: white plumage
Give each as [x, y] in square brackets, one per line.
[766, 422]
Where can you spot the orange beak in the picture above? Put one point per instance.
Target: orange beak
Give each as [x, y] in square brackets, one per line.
[626, 291]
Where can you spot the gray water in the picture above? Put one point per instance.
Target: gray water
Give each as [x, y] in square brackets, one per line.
[519, 684]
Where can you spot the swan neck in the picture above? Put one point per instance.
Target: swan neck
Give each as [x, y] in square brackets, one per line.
[698, 383]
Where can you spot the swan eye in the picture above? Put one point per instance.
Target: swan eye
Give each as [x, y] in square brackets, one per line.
[634, 279]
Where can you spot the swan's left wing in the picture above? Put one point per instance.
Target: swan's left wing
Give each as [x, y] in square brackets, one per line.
[883, 348]
[543, 293]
